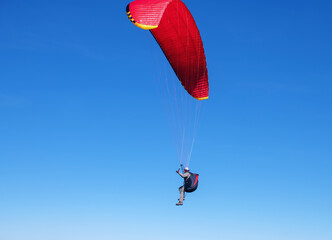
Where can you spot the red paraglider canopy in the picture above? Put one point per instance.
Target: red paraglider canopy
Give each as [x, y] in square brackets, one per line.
[175, 30]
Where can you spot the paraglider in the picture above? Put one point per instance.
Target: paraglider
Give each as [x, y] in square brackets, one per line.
[190, 183]
[175, 30]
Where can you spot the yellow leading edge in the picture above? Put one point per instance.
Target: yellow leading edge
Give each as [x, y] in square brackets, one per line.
[204, 98]
[145, 27]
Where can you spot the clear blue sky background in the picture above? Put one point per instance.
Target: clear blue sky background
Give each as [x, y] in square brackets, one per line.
[86, 152]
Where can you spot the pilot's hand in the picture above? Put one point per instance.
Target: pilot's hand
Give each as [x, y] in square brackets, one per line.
[178, 170]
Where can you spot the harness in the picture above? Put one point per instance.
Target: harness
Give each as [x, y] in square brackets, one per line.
[191, 183]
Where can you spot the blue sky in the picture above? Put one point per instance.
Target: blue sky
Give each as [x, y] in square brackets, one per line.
[86, 152]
